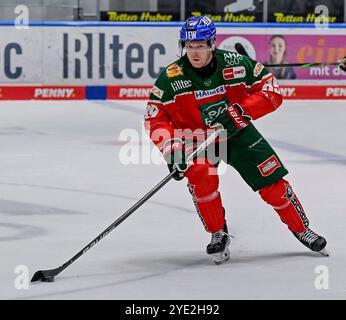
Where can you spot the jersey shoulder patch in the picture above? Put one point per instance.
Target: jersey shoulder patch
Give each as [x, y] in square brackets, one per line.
[258, 69]
[157, 92]
[174, 70]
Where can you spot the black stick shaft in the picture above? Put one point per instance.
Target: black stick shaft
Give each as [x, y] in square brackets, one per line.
[140, 202]
[119, 220]
[302, 65]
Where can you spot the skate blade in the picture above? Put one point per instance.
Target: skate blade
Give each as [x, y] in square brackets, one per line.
[324, 253]
[221, 257]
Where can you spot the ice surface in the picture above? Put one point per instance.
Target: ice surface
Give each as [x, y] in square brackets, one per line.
[62, 183]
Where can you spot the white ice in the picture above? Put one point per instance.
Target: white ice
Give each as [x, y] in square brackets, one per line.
[62, 183]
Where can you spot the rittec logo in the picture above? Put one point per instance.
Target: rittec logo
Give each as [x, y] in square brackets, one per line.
[181, 84]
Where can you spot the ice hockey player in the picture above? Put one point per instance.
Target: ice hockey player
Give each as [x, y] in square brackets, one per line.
[209, 86]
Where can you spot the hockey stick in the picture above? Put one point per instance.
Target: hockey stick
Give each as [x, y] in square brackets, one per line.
[48, 275]
[241, 50]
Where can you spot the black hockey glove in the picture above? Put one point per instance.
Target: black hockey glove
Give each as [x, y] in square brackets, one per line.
[173, 152]
[342, 64]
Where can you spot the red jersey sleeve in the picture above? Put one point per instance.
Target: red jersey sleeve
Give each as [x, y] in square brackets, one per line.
[263, 91]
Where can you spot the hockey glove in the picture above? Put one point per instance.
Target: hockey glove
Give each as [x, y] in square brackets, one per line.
[173, 152]
[231, 117]
[342, 64]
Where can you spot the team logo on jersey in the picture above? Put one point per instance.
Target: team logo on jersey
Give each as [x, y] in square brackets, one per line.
[269, 166]
[181, 84]
[258, 69]
[234, 73]
[207, 82]
[157, 92]
[200, 94]
[174, 70]
[211, 111]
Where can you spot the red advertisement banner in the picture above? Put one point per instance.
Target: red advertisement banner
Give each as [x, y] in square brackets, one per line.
[142, 92]
[288, 92]
[128, 92]
[313, 92]
[41, 93]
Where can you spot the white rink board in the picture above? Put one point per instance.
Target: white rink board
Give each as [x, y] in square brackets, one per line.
[104, 55]
[100, 55]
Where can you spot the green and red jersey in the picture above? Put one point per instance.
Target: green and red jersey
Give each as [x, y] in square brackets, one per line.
[179, 93]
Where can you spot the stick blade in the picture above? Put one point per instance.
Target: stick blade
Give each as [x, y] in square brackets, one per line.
[45, 275]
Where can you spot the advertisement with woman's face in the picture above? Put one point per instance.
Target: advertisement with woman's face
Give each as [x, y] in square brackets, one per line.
[277, 55]
[292, 47]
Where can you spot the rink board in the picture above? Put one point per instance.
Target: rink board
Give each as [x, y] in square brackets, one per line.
[142, 92]
[122, 60]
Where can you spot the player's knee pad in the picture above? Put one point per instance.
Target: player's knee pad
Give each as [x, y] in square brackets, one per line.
[275, 194]
[281, 197]
[204, 178]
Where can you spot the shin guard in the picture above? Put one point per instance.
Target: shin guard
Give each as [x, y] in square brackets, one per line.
[281, 197]
[203, 186]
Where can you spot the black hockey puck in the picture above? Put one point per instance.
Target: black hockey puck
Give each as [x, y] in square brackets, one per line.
[48, 279]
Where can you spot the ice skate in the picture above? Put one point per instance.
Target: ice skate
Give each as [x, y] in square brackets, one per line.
[218, 247]
[312, 240]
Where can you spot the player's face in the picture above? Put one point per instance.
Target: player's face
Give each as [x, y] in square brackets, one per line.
[198, 53]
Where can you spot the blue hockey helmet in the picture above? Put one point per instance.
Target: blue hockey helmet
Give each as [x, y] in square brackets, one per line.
[198, 28]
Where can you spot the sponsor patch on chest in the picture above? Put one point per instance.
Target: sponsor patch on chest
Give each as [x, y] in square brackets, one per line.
[200, 94]
[234, 73]
[267, 167]
[181, 84]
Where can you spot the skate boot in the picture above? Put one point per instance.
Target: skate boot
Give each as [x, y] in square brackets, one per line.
[312, 240]
[218, 247]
